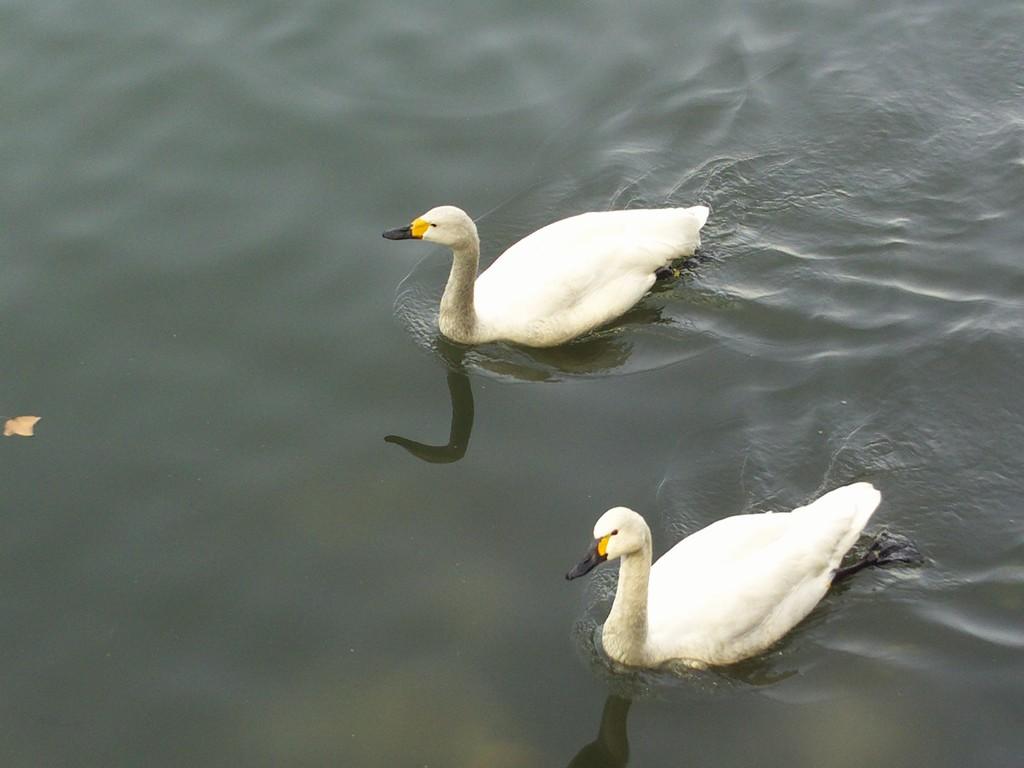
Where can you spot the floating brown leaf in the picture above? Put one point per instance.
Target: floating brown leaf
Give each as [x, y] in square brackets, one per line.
[21, 426]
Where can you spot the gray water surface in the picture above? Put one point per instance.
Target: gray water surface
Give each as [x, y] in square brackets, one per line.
[209, 555]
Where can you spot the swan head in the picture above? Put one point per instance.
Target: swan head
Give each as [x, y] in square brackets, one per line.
[618, 532]
[445, 224]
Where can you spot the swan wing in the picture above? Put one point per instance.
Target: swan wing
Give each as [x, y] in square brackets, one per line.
[584, 270]
[737, 586]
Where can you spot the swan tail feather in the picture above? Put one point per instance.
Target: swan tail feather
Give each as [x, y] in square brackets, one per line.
[843, 513]
[700, 214]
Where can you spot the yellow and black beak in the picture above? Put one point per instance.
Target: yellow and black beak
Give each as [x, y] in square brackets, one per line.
[597, 555]
[413, 232]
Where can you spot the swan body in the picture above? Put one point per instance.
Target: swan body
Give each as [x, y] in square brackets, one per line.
[561, 281]
[728, 591]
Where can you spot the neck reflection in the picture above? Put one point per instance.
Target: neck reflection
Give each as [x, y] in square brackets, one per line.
[461, 394]
[611, 747]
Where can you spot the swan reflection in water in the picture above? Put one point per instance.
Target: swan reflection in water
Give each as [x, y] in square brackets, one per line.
[611, 747]
[597, 354]
[461, 394]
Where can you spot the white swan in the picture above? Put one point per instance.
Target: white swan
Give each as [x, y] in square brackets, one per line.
[732, 589]
[563, 280]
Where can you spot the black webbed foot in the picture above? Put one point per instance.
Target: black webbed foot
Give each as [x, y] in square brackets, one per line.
[893, 548]
[666, 273]
[887, 549]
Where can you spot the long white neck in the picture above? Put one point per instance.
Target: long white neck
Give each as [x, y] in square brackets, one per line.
[624, 636]
[458, 315]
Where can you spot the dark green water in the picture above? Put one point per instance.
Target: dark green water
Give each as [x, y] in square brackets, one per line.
[209, 555]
